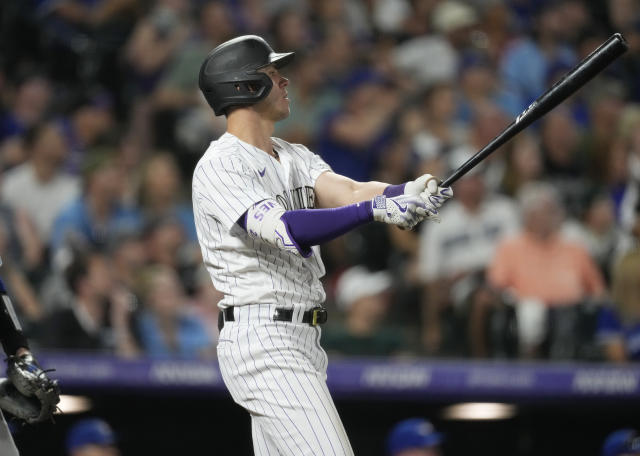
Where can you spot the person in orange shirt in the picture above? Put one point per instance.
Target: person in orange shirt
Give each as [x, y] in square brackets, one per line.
[539, 268]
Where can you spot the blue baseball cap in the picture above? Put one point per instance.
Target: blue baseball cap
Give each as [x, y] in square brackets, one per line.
[412, 433]
[622, 441]
[90, 432]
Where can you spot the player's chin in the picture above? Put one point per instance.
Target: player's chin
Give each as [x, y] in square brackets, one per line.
[284, 112]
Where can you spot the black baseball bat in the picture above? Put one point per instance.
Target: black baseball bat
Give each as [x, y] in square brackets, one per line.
[582, 73]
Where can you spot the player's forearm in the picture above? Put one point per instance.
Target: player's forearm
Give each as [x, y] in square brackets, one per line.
[334, 190]
[317, 226]
[361, 191]
[309, 227]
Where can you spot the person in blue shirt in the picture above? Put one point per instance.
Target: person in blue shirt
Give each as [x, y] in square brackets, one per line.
[166, 327]
[97, 215]
[525, 65]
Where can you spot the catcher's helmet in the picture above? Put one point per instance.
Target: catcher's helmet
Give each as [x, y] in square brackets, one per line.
[228, 70]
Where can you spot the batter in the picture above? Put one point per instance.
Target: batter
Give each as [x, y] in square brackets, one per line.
[262, 206]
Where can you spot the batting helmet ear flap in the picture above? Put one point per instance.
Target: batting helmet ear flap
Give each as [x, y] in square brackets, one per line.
[225, 90]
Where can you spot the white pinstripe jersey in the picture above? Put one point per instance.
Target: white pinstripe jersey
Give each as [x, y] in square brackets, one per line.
[229, 178]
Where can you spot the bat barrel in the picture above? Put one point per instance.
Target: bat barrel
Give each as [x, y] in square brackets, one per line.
[582, 73]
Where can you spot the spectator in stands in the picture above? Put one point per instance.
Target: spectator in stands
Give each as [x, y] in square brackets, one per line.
[164, 238]
[129, 158]
[539, 267]
[619, 325]
[20, 251]
[524, 66]
[160, 193]
[179, 85]
[91, 437]
[291, 29]
[478, 84]
[488, 121]
[98, 214]
[39, 186]
[311, 99]
[596, 230]
[181, 119]
[524, 164]
[204, 302]
[353, 138]
[414, 437]
[84, 323]
[452, 22]
[128, 258]
[338, 51]
[154, 42]
[86, 127]
[29, 106]
[629, 137]
[453, 257]
[167, 327]
[563, 159]
[622, 442]
[364, 298]
[20, 242]
[599, 142]
[437, 112]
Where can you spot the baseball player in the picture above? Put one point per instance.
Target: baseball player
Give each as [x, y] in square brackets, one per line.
[262, 206]
[28, 394]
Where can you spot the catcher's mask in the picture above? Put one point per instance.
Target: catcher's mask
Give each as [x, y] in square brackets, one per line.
[229, 75]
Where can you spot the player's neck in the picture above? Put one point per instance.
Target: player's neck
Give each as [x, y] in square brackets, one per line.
[251, 128]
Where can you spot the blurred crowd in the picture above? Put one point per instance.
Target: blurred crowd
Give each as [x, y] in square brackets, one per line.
[101, 123]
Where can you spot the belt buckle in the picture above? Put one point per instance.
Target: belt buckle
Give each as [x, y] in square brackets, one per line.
[318, 316]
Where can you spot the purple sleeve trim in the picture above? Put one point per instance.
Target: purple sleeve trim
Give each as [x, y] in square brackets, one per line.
[394, 190]
[307, 227]
[305, 250]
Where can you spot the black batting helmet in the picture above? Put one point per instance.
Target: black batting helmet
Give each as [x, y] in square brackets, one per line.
[228, 70]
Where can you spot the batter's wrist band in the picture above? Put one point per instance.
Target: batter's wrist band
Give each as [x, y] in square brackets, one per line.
[394, 190]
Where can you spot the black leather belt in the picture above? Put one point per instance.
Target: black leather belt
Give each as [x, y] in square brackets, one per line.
[312, 317]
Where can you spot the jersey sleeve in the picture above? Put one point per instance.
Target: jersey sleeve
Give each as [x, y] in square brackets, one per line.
[317, 166]
[226, 187]
[314, 164]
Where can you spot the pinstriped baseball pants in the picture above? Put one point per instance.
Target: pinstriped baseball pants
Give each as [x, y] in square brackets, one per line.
[277, 372]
